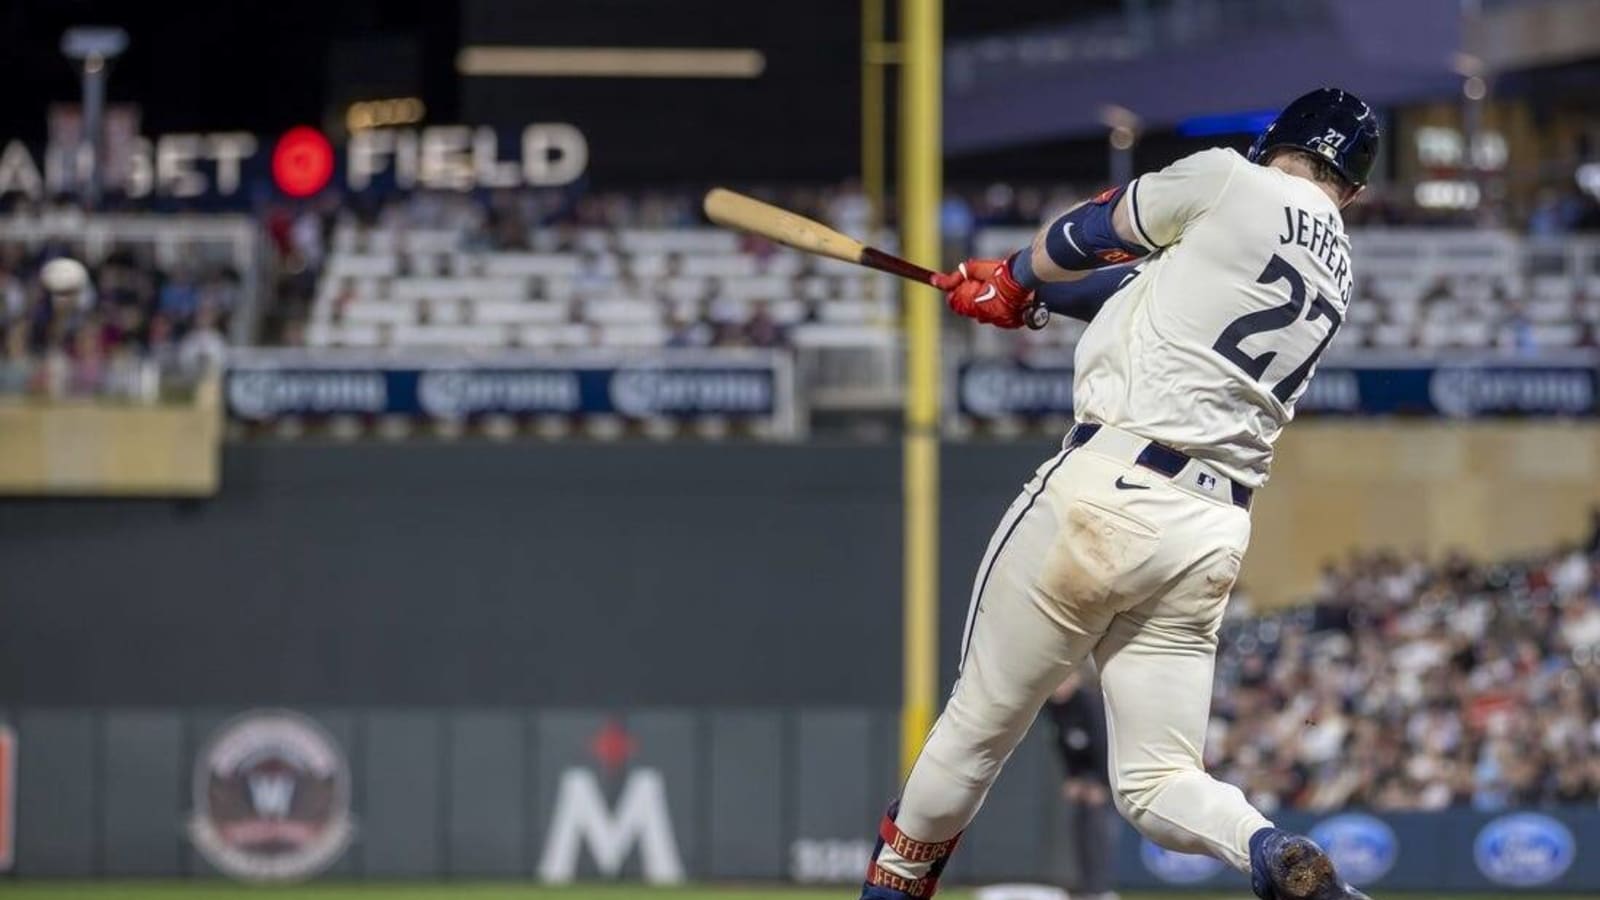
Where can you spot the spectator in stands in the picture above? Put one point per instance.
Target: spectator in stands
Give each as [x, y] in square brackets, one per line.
[849, 210]
[124, 324]
[125, 283]
[13, 295]
[220, 290]
[761, 329]
[578, 221]
[687, 331]
[957, 225]
[1516, 330]
[1559, 211]
[161, 344]
[97, 341]
[16, 366]
[203, 349]
[504, 221]
[179, 296]
[56, 316]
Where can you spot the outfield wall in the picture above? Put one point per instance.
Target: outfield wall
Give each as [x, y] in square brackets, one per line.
[465, 620]
[658, 795]
[638, 574]
[519, 575]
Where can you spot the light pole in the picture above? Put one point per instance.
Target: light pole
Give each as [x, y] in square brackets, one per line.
[93, 48]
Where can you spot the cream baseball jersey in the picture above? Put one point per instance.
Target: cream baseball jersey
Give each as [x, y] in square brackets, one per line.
[1208, 349]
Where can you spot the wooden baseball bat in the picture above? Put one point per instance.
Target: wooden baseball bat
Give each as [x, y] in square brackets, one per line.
[731, 209]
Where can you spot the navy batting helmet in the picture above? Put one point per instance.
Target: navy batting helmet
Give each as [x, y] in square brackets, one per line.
[1330, 124]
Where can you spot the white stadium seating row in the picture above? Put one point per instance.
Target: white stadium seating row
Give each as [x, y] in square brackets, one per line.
[806, 287]
[581, 287]
[1416, 288]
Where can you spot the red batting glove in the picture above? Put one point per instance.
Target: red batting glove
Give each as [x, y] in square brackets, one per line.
[983, 289]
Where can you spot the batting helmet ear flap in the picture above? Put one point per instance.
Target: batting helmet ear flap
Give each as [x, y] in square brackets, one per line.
[1328, 123]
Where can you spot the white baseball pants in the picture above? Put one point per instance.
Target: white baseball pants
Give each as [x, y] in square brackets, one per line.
[1097, 556]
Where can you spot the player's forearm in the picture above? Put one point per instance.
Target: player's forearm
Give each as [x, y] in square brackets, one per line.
[1092, 235]
[1045, 269]
[1082, 298]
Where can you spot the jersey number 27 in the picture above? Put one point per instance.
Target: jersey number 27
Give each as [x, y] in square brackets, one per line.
[1278, 317]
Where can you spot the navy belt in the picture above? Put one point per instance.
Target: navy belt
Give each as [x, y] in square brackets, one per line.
[1159, 458]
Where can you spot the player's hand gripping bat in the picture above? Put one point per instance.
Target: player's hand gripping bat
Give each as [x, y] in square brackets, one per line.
[734, 210]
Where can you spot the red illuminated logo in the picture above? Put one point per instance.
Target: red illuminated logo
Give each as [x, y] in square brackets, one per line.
[613, 746]
[302, 162]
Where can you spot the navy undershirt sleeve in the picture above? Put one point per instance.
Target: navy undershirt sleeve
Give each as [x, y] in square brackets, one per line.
[1083, 298]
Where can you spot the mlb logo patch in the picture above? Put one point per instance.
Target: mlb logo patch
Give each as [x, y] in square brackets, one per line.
[1207, 482]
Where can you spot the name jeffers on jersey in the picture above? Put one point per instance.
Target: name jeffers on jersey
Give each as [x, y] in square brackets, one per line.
[1324, 237]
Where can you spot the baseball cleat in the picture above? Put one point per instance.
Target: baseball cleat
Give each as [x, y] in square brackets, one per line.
[1286, 866]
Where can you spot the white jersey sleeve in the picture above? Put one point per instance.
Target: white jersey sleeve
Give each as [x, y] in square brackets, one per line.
[1162, 204]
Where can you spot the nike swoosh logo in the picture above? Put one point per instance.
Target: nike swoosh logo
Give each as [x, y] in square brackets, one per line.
[1131, 487]
[1066, 231]
[988, 294]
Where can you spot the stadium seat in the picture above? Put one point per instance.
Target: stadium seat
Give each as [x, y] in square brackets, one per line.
[525, 264]
[363, 265]
[451, 336]
[849, 312]
[1437, 289]
[621, 312]
[726, 266]
[518, 312]
[637, 335]
[374, 312]
[564, 335]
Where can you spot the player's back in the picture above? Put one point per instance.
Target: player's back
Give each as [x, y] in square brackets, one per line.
[1207, 350]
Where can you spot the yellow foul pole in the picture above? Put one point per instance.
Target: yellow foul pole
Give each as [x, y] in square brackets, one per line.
[921, 178]
[876, 57]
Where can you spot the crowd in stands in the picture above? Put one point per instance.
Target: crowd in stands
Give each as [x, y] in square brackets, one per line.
[580, 268]
[1417, 685]
[540, 269]
[616, 288]
[131, 315]
[1527, 316]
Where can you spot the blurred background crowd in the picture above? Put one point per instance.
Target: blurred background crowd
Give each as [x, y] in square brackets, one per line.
[580, 269]
[1417, 684]
[132, 313]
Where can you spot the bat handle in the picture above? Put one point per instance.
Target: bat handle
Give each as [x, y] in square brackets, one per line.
[1037, 315]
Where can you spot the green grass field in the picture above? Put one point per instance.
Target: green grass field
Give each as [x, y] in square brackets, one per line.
[154, 890]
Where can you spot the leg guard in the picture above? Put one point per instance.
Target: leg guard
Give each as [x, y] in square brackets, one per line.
[903, 867]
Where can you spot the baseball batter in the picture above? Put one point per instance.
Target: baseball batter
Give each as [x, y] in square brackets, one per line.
[1125, 545]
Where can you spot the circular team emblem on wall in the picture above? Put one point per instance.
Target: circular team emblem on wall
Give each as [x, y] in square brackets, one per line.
[1524, 850]
[1362, 848]
[271, 798]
